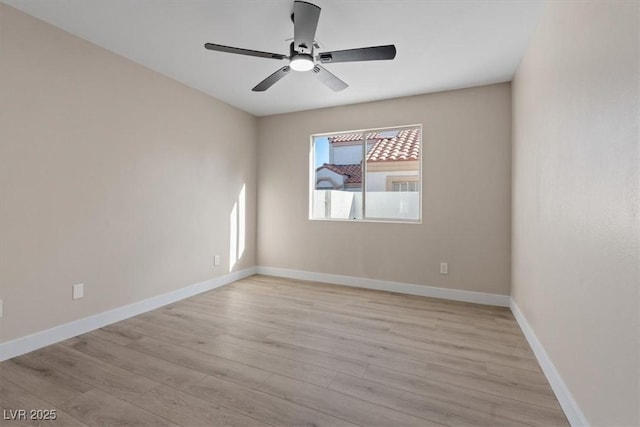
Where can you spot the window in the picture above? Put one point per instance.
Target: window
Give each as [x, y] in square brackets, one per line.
[372, 175]
[403, 183]
[405, 186]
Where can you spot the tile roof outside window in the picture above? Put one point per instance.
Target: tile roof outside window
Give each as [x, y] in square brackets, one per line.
[404, 146]
[353, 173]
[352, 137]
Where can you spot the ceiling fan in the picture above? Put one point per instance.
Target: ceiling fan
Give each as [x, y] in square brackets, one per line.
[301, 51]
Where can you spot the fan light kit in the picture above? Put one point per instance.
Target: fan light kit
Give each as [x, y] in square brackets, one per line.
[301, 63]
[305, 21]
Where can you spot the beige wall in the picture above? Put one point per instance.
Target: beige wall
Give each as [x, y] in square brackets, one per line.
[466, 198]
[111, 175]
[576, 227]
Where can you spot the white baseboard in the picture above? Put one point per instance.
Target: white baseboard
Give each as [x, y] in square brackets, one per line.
[384, 285]
[59, 333]
[569, 406]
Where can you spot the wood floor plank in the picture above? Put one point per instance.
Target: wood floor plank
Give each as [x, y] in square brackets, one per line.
[437, 340]
[252, 334]
[377, 354]
[239, 325]
[270, 363]
[187, 410]
[115, 334]
[43, 380]
[141, 327]
[184, 319]
[203, 362]
[100, 375]
[349, 319]
[513, 389]
[215, 322]
[175, 318]
[258, 359]
[507, 373]
[540, 410]
[14, 398]
[341, 405]
[302, 354]
[281, 316]
[309, 298]
[147, 366]
[336, 343]
[281, 352]
[330, 316]
[451, 412]
[336, 294]
[98, 408]
[263, 406]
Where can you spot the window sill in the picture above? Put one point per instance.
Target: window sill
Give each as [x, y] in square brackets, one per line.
[376, 221]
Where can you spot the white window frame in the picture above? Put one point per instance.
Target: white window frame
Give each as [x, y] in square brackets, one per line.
[312, 175]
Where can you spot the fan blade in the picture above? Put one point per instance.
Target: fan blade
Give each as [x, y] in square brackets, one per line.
[305, 22]
[375, 53]
[329, 79]
[240, 51]
[272, 79]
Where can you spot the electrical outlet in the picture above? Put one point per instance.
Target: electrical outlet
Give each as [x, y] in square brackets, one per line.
[216, 260]
[444, 268]
[78, 291]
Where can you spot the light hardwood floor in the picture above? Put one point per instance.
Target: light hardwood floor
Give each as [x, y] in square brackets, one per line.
[270, 351]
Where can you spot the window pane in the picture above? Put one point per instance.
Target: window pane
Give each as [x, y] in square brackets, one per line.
[392, 178]
[337, 182]
[371, 175]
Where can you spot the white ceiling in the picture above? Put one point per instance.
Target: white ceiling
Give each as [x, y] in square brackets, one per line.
[441, 45]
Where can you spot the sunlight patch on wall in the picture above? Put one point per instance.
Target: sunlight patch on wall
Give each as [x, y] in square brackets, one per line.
[233, 236]
[241, 221]
[237, 228]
